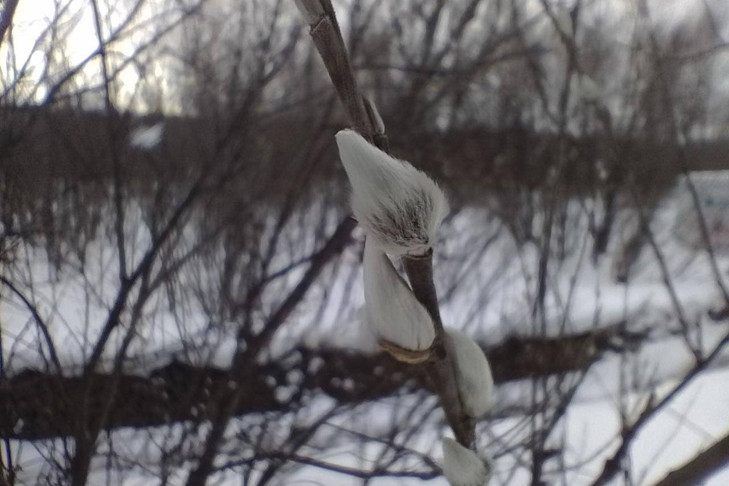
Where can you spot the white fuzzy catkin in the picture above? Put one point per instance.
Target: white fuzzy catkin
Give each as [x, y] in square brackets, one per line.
[473, 374]
[390, 306]
[462, 466]
[398, 206]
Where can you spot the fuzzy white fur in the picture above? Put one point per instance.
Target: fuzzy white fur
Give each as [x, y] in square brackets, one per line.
[390, 306]
[473, 374]
[398, 206]
[462, 466]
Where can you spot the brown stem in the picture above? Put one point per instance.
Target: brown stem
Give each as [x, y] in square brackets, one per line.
[420, 274]
[441, 370]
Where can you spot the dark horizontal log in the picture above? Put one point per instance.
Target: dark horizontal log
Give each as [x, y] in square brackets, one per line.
[35, 405]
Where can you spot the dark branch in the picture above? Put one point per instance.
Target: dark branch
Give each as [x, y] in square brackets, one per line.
[36, 405]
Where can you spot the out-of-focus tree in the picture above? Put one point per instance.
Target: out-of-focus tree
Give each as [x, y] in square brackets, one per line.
[180, 282]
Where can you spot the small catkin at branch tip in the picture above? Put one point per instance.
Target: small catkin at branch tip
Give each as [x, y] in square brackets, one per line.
[474, 380]
[397, 205]
[391, 307]
[463, 467]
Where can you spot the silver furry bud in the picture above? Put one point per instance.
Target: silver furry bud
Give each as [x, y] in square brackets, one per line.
[462, 466]
[391, 307]
[398, 206]
[474, 380]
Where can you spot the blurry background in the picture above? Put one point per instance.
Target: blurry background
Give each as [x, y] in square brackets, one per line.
[180, 286]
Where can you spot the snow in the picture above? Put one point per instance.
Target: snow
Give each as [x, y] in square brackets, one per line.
[487, 283]
[696, 419]
[147, 137]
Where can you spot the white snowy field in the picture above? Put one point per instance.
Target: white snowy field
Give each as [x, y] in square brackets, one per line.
[488, 285]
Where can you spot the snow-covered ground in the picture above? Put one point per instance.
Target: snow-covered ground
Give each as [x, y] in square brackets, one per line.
[488, 285]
